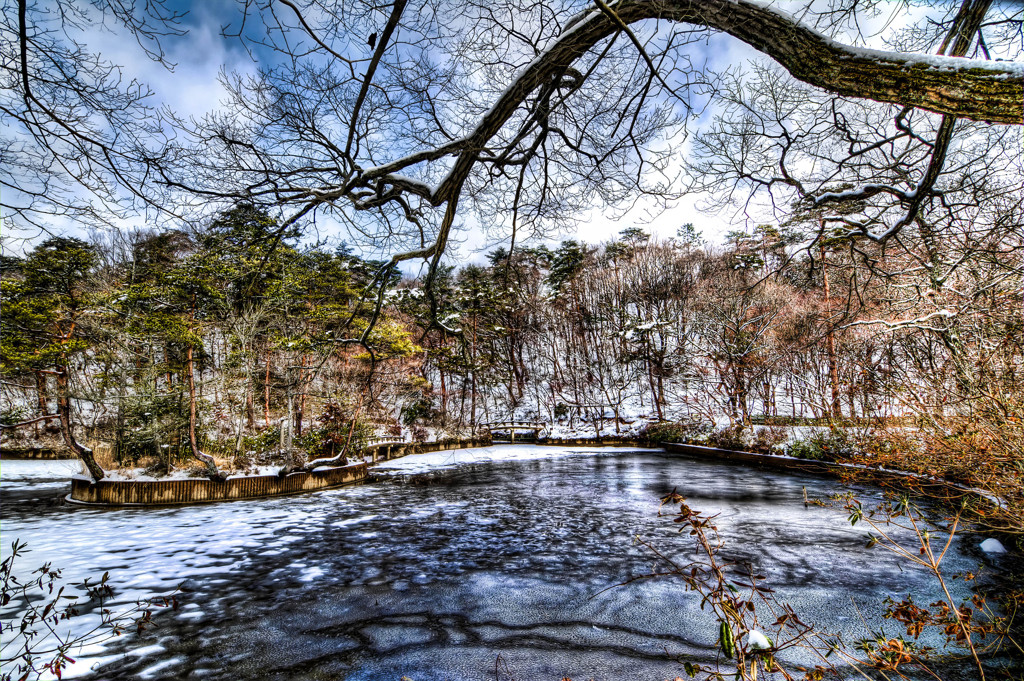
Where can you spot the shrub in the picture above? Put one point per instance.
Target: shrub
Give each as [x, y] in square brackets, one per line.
[770, 438]
[675, 431]
[9, 417]
[263, 441]
[419, 411]
[335, 429]
[732, 437]
[835, 444]
[32, 646]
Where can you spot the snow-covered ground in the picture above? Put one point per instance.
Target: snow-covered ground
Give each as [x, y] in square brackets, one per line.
[139, 474]
[181, 473]
[435, 461]
[22, 473]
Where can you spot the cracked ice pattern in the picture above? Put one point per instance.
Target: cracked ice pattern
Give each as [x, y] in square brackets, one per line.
[434, 576]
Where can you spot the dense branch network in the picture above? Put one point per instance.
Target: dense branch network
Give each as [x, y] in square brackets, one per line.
[522, 113]
[518, 128]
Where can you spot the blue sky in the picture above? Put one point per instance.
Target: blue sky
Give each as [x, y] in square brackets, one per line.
[192, 89]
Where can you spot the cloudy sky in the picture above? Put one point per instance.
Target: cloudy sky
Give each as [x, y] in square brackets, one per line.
[192, 89]
[199, 57]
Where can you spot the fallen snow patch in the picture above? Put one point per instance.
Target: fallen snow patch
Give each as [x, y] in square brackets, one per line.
[992, 545]
[757, 640]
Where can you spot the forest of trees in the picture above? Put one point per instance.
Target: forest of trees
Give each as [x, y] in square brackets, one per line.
[883, 285]
[237, 341]
[877, 147]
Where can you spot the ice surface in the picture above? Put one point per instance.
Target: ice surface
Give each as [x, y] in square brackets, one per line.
[23, 474]
[510, 550]
[153, 671]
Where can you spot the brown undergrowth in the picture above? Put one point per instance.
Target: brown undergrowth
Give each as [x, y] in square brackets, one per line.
[757, 630]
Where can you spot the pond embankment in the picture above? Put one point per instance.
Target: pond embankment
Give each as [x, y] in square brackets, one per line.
[108, 492]
[201, 490]
[48, 453]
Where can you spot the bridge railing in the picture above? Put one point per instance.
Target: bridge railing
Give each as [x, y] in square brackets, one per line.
[377, 441]
[521, 425]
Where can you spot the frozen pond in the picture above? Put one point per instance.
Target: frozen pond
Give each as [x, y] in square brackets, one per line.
[508, 551]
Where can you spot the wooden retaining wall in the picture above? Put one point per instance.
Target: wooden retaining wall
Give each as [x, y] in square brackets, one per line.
[197, 490]
[201, 490]
[771, 460]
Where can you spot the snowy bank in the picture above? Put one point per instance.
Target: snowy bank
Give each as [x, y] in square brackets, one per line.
[427, 462]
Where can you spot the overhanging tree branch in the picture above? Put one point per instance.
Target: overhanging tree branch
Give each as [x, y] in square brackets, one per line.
[966, 88]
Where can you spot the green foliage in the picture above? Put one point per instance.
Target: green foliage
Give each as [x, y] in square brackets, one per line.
[59, 268]
[568, 261]
[12, 415]
[687, 234]
[266, 440]
[498, 256]
[835, 444]
[336, 431]
[676, 431]
[390, 340]
[421, 409]
[152, 424]
[155, 253]
[634, 237]
[40, 311]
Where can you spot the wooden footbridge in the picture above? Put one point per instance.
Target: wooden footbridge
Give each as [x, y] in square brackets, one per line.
[513, 427]
[384, 448]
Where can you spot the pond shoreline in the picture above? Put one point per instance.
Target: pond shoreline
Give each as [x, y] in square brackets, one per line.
[835, 468]
[184, 491]
[36, 454]
[201, 490]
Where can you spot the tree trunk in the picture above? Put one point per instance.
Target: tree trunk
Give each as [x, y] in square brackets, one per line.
[444, 399]
[250, 411]
[211, 465]
[167, 362]
[266, 394]
[41, 394]
[835, 410]
[472, 368]
[339, 458]
[66, 426]
[652, 381]
[300, 405]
